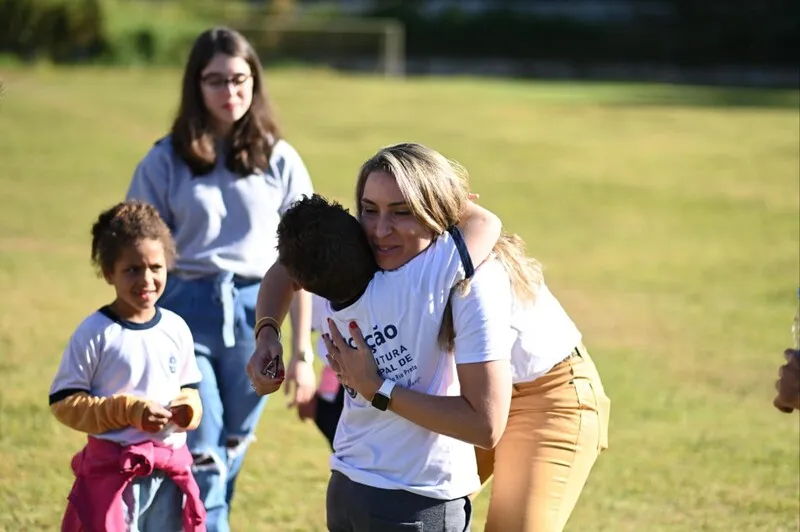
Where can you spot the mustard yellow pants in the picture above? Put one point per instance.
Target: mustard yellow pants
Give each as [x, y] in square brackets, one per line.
[557, 426]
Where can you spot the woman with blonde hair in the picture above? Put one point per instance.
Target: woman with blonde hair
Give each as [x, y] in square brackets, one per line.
[404, 447]
[559, 411]
[558, 420]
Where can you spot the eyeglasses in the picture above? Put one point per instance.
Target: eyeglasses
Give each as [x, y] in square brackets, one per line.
[218, 82]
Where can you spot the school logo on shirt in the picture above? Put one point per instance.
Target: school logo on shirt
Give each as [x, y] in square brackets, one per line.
[377, 337]
[394, 360]
[173, 364]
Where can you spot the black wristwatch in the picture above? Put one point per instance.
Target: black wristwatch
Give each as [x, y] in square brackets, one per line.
[384, 394]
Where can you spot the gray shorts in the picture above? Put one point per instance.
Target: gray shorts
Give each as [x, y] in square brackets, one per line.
[354, 507]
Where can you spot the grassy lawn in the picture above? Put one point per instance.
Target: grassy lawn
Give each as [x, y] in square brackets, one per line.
[667, 220]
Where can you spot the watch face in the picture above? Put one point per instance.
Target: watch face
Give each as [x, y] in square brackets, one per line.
[380, 401]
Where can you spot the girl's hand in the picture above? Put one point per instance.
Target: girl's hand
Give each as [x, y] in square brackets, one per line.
[155, 417]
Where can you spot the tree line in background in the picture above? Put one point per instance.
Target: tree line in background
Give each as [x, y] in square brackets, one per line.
[684, 33]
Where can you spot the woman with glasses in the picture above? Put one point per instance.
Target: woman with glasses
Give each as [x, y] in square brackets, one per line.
[222, 179]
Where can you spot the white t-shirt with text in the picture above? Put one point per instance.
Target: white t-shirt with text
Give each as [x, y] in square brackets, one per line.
[400, 315]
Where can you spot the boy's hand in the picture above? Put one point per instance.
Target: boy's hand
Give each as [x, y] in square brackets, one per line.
[181, 415]
[265, 368]
[155, 417]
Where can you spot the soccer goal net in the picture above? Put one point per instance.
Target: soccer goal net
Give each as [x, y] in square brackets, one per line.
[371, 45]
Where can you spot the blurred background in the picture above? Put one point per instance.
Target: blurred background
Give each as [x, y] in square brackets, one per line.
[647, 151]
[735, 42]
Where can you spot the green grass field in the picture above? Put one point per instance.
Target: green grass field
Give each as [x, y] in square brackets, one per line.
[667, 220]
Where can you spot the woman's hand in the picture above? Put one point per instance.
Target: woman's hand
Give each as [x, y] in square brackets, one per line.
[355, 368]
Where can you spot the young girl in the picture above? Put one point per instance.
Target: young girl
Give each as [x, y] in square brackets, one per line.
[128, 379]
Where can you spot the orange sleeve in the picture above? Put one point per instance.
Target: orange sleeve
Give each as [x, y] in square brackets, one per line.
[96, 415]
[191, 398]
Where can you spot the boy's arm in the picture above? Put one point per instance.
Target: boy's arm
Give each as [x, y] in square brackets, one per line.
[274, 300]
[481, 229]
[300, 315]
[95, 415]
[275, 295]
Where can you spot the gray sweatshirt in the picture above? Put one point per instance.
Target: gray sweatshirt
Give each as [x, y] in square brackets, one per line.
[221, 222]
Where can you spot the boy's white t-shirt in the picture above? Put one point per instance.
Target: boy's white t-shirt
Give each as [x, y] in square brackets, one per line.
[400, 315]
[108, 356]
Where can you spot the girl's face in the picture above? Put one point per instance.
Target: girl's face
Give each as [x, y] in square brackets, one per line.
[395, 235]
[227, 87]
[139, 278]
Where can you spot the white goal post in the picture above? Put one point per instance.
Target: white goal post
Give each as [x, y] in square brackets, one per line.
[340, 41]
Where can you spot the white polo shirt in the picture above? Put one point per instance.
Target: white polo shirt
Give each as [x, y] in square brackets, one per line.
[400, 314]
[108, 356]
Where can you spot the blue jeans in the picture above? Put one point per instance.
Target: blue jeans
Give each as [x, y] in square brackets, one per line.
[153, 502]
[220, 311]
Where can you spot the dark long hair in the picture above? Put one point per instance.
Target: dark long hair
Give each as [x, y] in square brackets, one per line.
[253, 135]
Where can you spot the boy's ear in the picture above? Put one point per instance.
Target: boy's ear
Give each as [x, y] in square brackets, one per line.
[107, 276]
